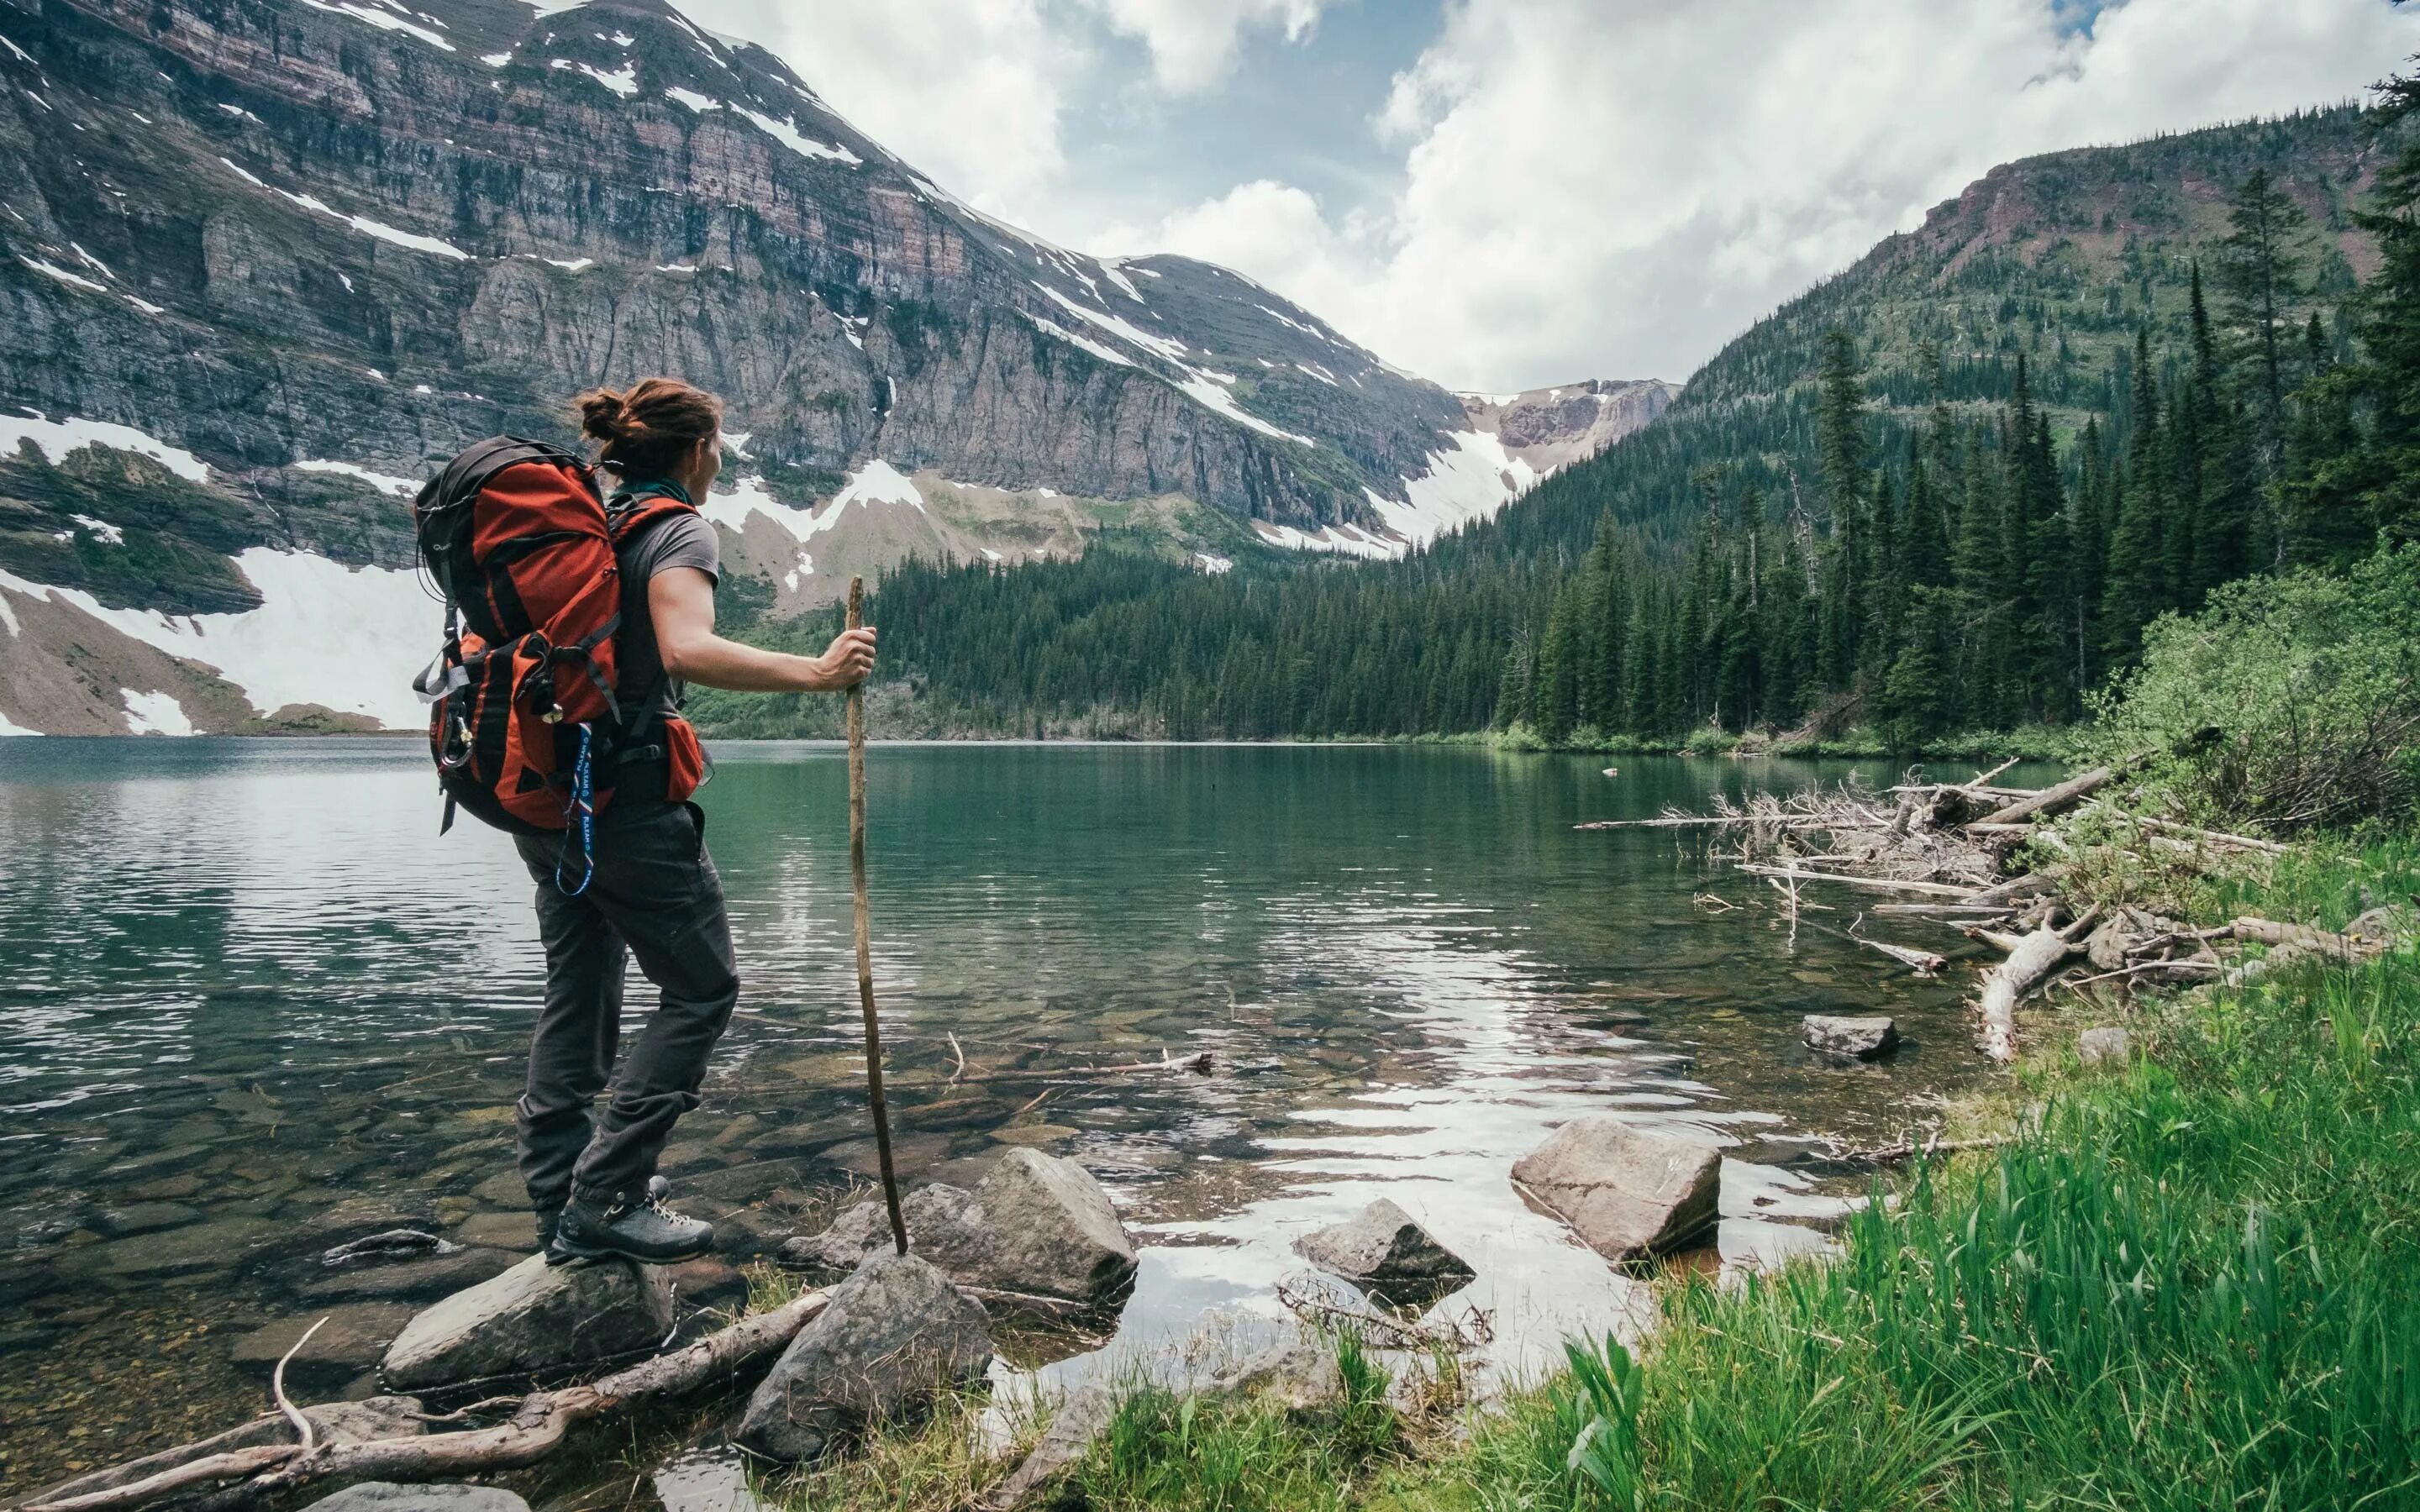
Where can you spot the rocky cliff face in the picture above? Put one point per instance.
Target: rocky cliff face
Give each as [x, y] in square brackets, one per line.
[1551, 429]
[265, 263]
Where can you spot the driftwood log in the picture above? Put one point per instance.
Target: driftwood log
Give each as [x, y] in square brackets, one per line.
[2032, 957]
[539, 1423]
[2053, 800]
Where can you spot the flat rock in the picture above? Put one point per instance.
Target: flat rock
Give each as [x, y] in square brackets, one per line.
[408, 1280]
[1036, 1227]
[2102, 1045]
[387, 1496]
[891, 1335]
[1384, 1246]
[1628, 1190]
[1865, 1037]
[353, 1340]
[220, 1245]
[504, 1189]
[534, 1319]
[498, 1230]
[144, 1218]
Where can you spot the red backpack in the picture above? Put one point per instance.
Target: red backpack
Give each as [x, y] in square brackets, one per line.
[523, 723]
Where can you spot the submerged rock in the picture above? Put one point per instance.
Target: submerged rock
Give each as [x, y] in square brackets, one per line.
[891, 1336]
[1628, 1190]
[2108, 1044]
[1383, 1246]
[351, 1342]
[408, 1279]
[1866, 1037]
[387, 1496]
[1038, 1229]
[534, 1319]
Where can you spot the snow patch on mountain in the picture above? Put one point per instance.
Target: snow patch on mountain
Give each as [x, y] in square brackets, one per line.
[387, 480]
[55, 438]
[383, 20]
[787, 133]
[154, 714]
[1473, 480]
[347, 639]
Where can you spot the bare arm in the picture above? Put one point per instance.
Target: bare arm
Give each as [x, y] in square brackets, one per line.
[680, 600]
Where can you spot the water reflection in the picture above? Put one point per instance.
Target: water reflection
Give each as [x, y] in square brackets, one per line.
[250, 999]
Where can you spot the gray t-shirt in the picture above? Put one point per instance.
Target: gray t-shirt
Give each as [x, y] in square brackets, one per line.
[679, 540]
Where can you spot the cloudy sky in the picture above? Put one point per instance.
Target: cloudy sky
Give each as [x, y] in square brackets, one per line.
[1505, 193]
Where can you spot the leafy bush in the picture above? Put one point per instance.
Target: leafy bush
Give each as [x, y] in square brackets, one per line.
[2290, 701]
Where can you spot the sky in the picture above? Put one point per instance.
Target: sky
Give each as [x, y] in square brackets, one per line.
[1502, 194]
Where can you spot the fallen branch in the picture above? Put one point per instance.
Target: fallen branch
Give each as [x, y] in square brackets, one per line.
[1908, 1150]
[2053, 800]
[537, 1426]
[2269, 932]
[2035, 957]
[1938, 889]
[1923, 963]
[302, 1428]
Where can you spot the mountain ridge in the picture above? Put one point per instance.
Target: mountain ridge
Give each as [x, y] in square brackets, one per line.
[309, 248]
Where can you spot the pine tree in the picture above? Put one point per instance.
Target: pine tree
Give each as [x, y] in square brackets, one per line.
[2259, 272]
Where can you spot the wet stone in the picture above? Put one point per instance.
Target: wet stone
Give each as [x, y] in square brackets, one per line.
[892, 1335]
[1038, 1229]
[498, 1230]
[348, 1344]
[218, 1245]
[1866, 1037]
[1628, 1190]
[1384, 1246]
[411, 1281]
[534, 1319]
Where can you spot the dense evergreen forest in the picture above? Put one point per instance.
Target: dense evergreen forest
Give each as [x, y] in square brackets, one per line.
[1942, 493]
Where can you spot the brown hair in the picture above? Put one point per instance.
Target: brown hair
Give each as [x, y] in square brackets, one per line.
[646, 429]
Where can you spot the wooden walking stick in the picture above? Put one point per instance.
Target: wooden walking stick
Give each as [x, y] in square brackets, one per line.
[865, 931]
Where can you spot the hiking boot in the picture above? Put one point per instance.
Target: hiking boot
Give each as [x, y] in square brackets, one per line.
[595, 1227]
[548, 1217]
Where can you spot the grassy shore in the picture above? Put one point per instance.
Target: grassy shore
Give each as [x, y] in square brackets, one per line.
[2191, 1281]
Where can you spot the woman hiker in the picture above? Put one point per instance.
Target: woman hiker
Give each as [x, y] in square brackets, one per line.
[654, 894]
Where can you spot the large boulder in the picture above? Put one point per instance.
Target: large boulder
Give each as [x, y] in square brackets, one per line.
[534, 1319]
[1628, 1190]
[890, 1337]
[1852, 1037]
[1384, 1247]
[388, 1496]
[1037, 1231]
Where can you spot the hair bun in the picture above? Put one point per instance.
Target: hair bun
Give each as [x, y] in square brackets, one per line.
[602, 414]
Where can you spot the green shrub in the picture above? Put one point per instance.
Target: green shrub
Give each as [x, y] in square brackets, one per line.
[2290, 701]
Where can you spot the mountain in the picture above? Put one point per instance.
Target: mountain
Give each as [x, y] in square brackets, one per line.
[1921, 485]
[266, 262]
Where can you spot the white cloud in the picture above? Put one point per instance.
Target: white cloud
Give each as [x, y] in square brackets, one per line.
[1193, 43]
[971, 92]
[1600, 191]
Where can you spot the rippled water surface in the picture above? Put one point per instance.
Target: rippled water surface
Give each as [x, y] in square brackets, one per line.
[247, 996]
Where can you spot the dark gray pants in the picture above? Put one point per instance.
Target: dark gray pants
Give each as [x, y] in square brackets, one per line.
[654, 896]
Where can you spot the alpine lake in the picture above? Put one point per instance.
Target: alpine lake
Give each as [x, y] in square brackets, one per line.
[248, 992]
